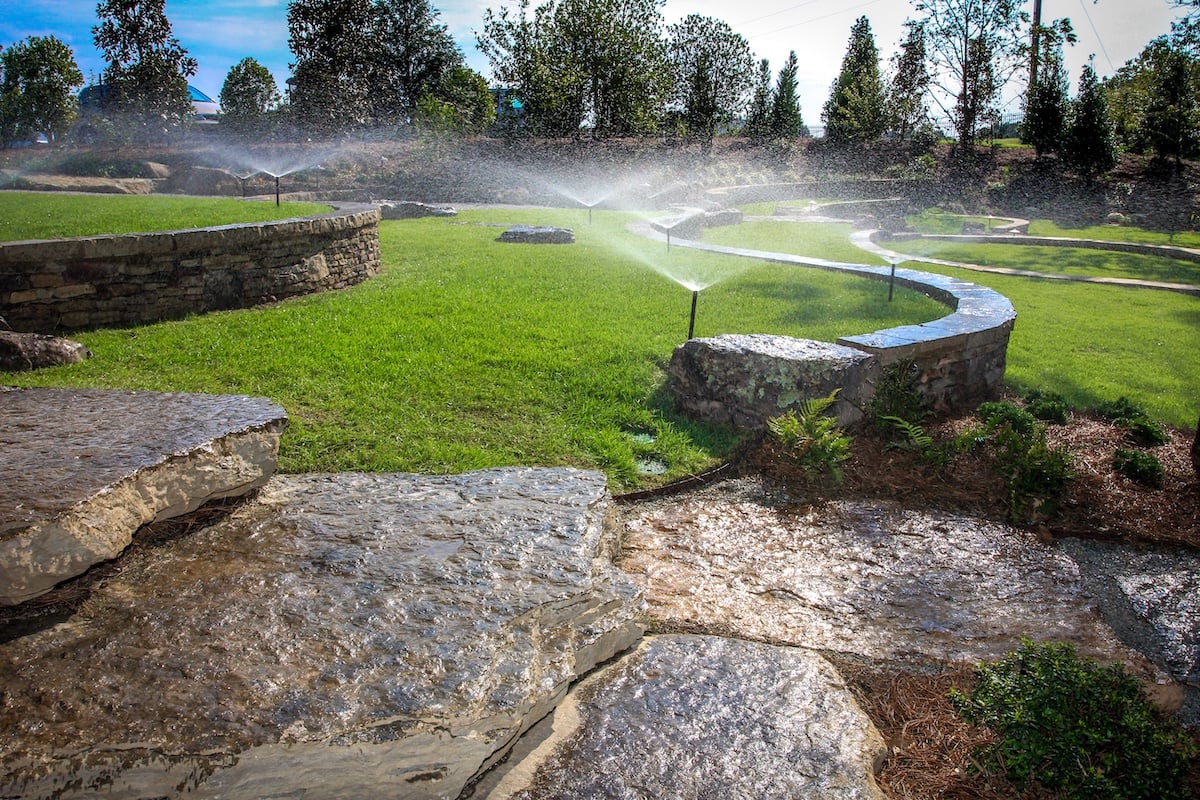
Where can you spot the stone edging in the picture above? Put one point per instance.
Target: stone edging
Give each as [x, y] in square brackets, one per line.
[962, 355]
[130, 279]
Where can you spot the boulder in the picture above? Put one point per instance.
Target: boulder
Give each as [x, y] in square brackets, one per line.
[26, 351]
[744, 380]
[84, 469]
[408, 209]
[702, 716]
[349, 636]
[527, 234]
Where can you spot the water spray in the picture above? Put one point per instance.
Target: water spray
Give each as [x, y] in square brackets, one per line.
[692, 321]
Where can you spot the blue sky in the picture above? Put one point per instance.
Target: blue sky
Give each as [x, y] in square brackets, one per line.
[219, 33]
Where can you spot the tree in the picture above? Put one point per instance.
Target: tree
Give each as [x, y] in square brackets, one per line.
[147, 72]
[758, 118]
[37, 89]
[856, 111]
[1172, 116]
[1047, 100]
[461, 103]
[335, 56]
[248, 97]
[416, 57]
[974, 46]
[574, 62]
[910, 83]
[713, 69]
[786, 120]
[1088, 146]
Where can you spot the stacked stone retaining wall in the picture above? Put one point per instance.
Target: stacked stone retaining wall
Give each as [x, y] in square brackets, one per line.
[97, 281]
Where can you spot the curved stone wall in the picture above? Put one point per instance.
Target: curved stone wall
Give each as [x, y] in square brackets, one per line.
[98, 281]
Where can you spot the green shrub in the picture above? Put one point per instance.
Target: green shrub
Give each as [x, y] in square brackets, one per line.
[1034, 472]
[1130, 416]
[1047, 406]
[811, 438]
[1144, 468]
[897, 394]
[1000, 414]
[1073, 726]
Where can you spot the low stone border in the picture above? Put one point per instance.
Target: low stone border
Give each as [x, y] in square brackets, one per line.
[96, 281]
[961, 356]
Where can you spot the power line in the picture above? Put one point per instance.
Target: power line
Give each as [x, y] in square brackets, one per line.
[777, 13]
[1111, 66]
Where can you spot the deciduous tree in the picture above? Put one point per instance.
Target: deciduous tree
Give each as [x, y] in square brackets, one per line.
[146, 77]
[37, 89]
[335, 56]
[416, 56]
[856, 111]
[248, 97]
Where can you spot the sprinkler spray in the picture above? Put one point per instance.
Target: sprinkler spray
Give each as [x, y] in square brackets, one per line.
[692, 321]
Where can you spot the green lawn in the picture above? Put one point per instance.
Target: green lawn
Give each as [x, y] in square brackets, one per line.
[52, 215]
[467, 353]
[1089, 342]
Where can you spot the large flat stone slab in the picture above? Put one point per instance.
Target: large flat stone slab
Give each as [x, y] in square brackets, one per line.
[349, 636]
[84, 469]
[705, 717]
[869, 579]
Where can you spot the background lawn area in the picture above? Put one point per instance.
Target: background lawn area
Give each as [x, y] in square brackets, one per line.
[1089, 342]
[468, 353]
[53, 215]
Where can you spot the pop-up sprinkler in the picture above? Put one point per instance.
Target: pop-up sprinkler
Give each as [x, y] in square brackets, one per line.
[893, 260]
[692, 321]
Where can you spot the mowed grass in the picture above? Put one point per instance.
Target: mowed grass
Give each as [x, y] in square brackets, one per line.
[52, 215]
[468, 353]
[1091, 343]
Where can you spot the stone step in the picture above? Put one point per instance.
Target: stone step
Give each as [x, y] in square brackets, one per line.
[84, 469]
[338, 636]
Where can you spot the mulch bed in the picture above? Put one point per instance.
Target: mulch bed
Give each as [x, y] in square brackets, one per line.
[931, 745]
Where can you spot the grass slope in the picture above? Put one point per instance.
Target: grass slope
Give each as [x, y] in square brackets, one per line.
[468, 353]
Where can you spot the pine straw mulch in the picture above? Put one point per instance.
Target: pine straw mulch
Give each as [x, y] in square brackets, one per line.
[931, 746]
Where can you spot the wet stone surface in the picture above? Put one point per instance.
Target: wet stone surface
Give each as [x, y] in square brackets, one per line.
[871, 579]
[704, 717]
[84, 469]
[348, 635]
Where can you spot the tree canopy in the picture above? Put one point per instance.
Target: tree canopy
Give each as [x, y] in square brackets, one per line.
[713, 69]
[248, 96]
[38, 79]
[787, 122]
[147, 70]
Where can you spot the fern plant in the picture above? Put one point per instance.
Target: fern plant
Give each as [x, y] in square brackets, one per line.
[811, 438]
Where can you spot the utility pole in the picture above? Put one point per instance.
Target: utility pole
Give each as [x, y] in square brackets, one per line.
[1034, 38]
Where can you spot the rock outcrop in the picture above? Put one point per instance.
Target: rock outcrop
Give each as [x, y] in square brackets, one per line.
[702, 716]
[339, 636]
[410, 209]
[529, 234]
[84, 469]
[26, 351]
[744, 380]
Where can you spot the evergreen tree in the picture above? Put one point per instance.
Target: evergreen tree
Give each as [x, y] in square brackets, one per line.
[910, 83]
[1172, 116]
[248, 97]
[758, 118]
[146, 77]
[856, 111]
[1047, 100]
[975, 106]
[713, 70]
[37, 89]
[786, 120]
[1089, 146]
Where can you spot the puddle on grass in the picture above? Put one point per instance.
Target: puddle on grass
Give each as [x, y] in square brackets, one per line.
[651, 466]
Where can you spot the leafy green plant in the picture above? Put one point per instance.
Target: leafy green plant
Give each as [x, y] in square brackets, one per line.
[999, 414]
[1034, 472]
[1136, 465]
[1071, 725]
[915, 439]
[811, 438]
[1047, 406]
[897, 395]
[1133, 418]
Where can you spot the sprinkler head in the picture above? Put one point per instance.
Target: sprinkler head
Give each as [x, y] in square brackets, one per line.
[692, 321]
